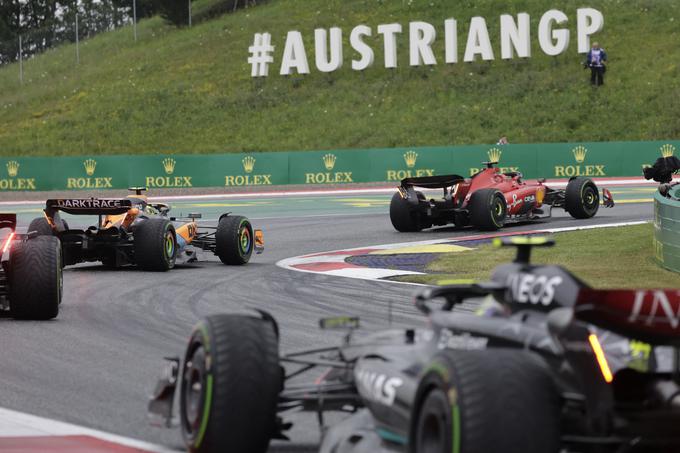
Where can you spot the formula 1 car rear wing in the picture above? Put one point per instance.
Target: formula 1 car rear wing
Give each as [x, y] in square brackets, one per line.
[88, 206]
[432, 182]
[650, 315]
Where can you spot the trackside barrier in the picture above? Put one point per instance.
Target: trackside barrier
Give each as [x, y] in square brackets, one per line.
[667, 230]
[549, 160]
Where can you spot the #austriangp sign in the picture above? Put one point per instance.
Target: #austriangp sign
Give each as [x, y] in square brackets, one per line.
[515, 41]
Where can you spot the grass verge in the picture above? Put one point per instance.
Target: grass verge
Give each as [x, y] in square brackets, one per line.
[604, 258]
[189, 90]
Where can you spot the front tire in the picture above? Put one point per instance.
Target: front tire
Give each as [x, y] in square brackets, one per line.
[467, 395]
[234, 240]
[582, 199]
[35, 278]
[230, 384]
[155, 245]
[488, 209]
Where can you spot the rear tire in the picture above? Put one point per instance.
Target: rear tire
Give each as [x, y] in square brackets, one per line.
[403, 218]
[582, 199]
[36, 279]
[488, 209]
[155, 245]
[230, 382]
[234, 240]
[40, 226]
[469, 394]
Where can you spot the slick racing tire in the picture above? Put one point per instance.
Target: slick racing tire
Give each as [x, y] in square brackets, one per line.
[582, 199]
[229, 385]
[155, 245]
[486, 401]
[488, 209]
[234, 240]
[40, 226]
[35, 278]
[404, 219]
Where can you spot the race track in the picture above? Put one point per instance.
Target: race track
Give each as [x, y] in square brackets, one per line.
[97, 363]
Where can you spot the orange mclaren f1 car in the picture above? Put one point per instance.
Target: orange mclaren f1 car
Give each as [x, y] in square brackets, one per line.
[133, 231]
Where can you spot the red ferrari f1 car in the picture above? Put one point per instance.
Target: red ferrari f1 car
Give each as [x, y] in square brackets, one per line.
[490, 199]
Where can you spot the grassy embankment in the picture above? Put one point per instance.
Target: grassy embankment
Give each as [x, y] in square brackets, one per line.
[603, 258]
[190, 90]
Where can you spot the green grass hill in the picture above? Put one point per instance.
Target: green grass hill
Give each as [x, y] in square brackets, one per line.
[190, 91]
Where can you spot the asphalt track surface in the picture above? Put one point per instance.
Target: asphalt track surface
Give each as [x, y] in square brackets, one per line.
[97, 363]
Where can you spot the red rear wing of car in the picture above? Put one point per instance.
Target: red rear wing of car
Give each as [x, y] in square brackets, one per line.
[88, 206]
[8, 221]
[649, 315]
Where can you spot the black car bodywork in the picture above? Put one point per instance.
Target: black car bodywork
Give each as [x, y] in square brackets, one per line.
[548, 365]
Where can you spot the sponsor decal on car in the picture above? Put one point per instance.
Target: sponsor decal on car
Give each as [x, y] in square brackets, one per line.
[532, 289]
[378, 387]
[648, 306]
[516, 201]
[463, 341]
[90, 203]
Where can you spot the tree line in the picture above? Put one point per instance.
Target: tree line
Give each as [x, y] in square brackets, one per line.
[43, 24]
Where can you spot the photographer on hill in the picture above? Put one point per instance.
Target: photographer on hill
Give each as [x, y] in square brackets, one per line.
[596, 60]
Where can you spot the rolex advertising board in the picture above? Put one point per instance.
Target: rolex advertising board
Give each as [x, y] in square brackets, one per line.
[25, 174]
[239, 170]
[590, 160]
[393, 165]
[253, 169]
[90, 173]
[329, 167]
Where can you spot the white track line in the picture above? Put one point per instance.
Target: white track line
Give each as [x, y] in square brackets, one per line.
[19, 424]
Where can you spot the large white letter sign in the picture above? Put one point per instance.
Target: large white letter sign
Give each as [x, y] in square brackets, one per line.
[478, 41]
[323, 64]
[588, 21]
[421, 37]
[389, 32]
[553, 42]
[358, 44]
[515, 36]
[294, 56]
[451, 40]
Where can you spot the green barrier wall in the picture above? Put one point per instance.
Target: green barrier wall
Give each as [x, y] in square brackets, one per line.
[551, 160]
[667, 231]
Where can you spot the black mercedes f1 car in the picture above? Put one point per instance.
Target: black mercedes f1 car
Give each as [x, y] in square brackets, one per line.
[30, 273]
[547, 365]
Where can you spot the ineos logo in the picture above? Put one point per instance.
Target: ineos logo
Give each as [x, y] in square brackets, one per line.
[533, 289]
